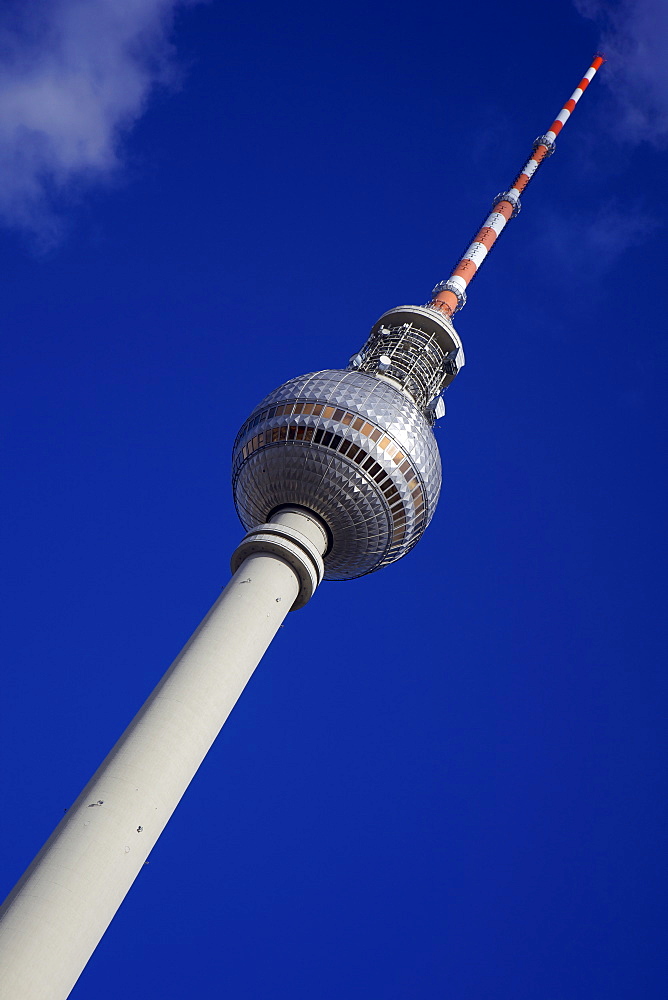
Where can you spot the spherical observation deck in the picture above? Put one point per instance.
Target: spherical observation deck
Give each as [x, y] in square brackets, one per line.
[353, 447]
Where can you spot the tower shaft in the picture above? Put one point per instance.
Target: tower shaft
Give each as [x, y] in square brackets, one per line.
[54, 918]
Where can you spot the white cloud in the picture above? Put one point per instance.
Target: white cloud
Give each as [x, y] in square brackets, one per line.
[584, 247]
[75, 75]
[634, 37]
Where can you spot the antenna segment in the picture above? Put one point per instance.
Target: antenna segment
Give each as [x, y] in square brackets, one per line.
[450, 295]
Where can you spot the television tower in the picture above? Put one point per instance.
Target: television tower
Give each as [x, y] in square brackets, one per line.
[335, 474]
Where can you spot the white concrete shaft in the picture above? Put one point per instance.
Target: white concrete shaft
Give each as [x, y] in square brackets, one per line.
[57, 913]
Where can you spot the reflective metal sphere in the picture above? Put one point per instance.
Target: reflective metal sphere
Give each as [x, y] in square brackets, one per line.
[350, 447]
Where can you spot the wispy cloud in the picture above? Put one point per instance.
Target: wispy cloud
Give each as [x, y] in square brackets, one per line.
[634, 36]
[75, 75]
[583, 247]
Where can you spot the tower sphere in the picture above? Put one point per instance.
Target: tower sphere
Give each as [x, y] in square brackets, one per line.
[351, 448]
[355, 446]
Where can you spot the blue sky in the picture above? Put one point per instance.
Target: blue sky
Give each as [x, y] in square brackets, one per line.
[446, 779]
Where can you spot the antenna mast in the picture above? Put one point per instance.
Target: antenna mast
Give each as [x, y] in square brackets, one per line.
[450, 295]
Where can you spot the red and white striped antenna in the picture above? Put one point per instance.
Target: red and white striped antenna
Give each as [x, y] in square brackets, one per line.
[450, 295]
